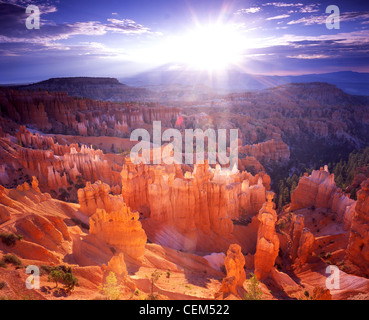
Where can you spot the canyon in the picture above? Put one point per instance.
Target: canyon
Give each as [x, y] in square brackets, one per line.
[70, 195]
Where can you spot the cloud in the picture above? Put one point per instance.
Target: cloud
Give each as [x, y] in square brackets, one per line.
[126, 26]
[13, 29]
[248, 10]
[307, 21]
[309, 8]
[359, 38]
[310, 56]
[282, 16]
[17, 40]
[44, 6]
[282, 4]
[353, 16]
[346, 16]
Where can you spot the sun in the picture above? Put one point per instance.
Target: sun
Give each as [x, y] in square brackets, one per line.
[211, 47]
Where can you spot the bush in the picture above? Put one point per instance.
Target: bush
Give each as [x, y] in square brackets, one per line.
[61, 267]
[56, 276]
[64, 275]
[111, 288]
[10, 239]
[13, 259]
[69, 281]
[253, 290]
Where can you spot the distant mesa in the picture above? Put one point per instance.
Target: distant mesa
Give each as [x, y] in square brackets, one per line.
[99, 88]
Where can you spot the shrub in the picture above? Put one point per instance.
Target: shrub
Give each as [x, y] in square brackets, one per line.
[64, 275]
[111, 289]
[69, 281]
[61, 267]
[56, 276]
[11, 258]
[10, 238]
[253, 290]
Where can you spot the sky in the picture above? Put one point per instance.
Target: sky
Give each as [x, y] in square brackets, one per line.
[120, 38]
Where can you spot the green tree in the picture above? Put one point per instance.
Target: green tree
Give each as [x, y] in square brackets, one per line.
[56, 276]
[69, 281]
[111, 288]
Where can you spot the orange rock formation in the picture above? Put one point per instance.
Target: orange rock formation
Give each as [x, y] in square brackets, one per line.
[118, 265]
[205, 199]
[120, 228]
[267, 247]
[358, 247]
[319, 190]
[234, 264]
[97, 195]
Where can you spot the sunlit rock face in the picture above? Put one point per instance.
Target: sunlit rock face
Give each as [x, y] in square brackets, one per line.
[39, 219]
[234, 264]
[320, 191]
[314, 190]
[302, 241]
[121, 229]
[205, 199]
[97, 196]
[358, 247]
[267, 246]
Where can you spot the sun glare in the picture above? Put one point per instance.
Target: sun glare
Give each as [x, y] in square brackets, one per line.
[211, 47]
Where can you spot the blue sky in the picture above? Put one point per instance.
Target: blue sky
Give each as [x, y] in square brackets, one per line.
[121, 38]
